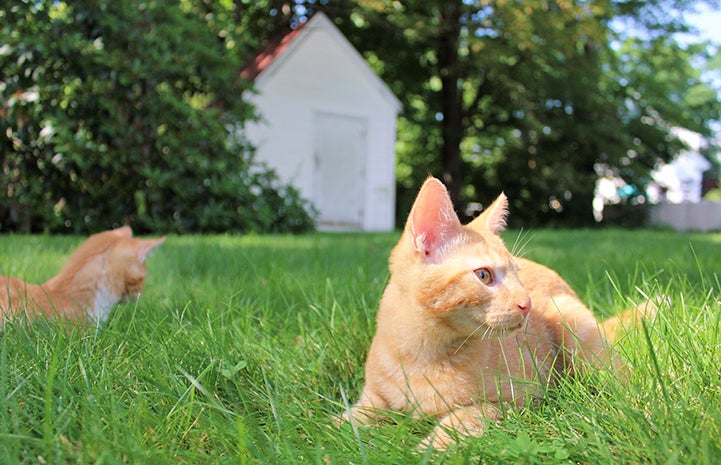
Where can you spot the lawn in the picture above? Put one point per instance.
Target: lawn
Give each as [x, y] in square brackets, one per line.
[243, 348]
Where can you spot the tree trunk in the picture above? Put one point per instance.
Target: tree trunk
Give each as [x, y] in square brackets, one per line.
[451, 100]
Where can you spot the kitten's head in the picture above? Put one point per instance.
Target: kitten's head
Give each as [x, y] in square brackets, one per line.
[125, 266]
[109, 265]
[462, 276]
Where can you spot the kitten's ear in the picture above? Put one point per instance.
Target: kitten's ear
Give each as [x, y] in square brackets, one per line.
[432, 221]
[144, 247]
[494, 217]
[123, 231]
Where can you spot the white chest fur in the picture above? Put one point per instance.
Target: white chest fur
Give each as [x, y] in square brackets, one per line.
[103, 303]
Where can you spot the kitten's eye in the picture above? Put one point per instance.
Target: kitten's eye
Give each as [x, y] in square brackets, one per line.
[485, 275]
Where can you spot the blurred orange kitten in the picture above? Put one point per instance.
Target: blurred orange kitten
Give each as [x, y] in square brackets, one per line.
[107, 268]
[464, 326]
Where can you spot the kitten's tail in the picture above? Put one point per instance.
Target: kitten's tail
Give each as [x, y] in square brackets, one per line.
[615, 326]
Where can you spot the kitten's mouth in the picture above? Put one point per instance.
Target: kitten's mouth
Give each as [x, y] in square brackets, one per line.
[515, 327]
[494, 332]
[503, 330]
[479, 325]
[483, 331]
[500, 331]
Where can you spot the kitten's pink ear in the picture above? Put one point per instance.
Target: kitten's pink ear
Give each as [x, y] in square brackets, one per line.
[145, 247]
[432, 221]
[494, 217]
[123, 231]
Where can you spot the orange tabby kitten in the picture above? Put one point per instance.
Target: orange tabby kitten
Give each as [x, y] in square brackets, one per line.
[464, 326]
[106, 269]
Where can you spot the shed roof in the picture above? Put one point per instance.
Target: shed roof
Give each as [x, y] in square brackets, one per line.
[253, 67]
[266, 62]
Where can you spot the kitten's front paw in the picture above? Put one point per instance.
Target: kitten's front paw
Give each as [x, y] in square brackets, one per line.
[651, 307]
[459, 423]
[438, 440]
[362, 416]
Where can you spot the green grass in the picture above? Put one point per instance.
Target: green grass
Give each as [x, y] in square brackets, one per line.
[243, 348]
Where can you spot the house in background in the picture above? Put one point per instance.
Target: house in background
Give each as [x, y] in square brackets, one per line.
[677, 189]
[328, 125]
[675, 192]
[681, 180]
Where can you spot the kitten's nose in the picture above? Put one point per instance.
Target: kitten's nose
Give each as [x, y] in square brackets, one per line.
[525, 306]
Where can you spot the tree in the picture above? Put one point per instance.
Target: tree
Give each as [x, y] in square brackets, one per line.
[119, 112]
[528, 97]
[533, 97]
[502, 84]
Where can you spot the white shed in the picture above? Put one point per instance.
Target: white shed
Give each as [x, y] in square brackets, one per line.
[328, 125]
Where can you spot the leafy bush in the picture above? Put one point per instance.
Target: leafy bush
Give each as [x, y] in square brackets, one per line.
[713, 195]
[121, 112]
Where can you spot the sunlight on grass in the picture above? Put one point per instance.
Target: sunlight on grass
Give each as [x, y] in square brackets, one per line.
[243, 349]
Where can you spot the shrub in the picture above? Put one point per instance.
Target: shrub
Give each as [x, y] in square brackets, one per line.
[118, 112]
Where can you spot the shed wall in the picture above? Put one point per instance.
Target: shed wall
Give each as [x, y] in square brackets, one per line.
[320, 77]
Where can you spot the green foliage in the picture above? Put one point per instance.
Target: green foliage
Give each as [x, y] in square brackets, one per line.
[534, 98]
[242, 350]
[713, 195]
[121, 112]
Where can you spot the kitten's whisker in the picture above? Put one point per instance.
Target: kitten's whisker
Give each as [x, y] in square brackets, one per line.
[470, 336]
[486, 332]
[521, 242]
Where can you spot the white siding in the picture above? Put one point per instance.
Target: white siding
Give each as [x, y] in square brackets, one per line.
[319, 75]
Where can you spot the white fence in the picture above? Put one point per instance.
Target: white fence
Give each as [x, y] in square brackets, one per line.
[701, 216]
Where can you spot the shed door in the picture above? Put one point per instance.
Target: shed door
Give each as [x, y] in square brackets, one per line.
[339, 174]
